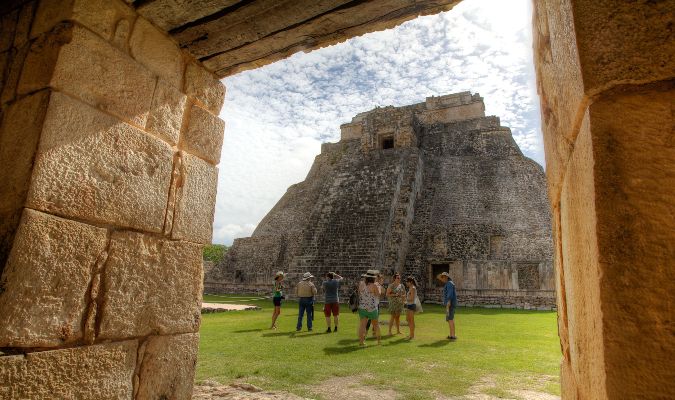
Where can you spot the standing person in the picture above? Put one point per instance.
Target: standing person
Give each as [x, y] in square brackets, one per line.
[331, 287]
[277, 296]
[396, 297]
[305, 292]
[379, 281]
[410, 305]
[369, 298]
[449, 301]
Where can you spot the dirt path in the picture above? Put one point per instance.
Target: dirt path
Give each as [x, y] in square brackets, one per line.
[350, 388]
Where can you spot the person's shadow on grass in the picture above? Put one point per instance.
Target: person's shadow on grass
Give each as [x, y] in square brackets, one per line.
[341, 350]
[438, 343]
[248, 330]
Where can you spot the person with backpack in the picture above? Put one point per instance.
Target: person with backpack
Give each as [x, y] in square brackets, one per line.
[305, 292]
[449, 301]
[411, 304]
[277, 296]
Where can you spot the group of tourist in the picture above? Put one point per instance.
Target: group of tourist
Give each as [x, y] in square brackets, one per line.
[366, 300]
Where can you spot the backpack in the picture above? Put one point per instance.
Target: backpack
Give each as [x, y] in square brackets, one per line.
[354, 301]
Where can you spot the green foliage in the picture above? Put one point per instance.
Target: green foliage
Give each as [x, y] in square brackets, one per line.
[215, 252]
[508, 349]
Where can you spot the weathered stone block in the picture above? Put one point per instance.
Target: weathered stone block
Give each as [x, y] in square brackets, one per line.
[559, 84]
[168, 367]
[19, 136]
[104, 77]
[204, 87]
[24, 23]
[103, 371]
[42, 57]
[172, 14]
[16, 56]
[166, 116]
[100, 16]
[581, 269]
[623, 42]
[157, 51]
[634, 172]
[52, 259]
[195, 201]
[151, 286]
[91, 166]
[204, 136]
[7, 29]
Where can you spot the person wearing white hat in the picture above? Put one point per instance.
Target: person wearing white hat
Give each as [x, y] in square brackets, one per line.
[277, 296]
[305, 292]
[369, 299]
[449, 301]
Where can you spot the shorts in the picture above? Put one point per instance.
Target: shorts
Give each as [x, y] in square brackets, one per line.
[411, 307]
[449, 316]
[333, 308]
[276, 301]
[368, 314]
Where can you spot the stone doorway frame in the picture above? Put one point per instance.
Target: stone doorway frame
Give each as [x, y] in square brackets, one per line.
[605, 80]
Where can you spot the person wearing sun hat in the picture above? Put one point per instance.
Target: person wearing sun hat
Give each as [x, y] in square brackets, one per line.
[369, 299]
[277, 296]
[449, 301]
[305, 292]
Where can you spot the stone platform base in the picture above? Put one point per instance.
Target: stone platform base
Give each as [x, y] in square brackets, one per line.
[218, 307]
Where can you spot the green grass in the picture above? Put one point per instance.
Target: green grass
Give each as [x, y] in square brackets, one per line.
[515, 349]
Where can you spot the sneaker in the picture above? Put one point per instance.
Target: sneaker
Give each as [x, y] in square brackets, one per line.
[328, 330]
[335, 330]
[452, 337]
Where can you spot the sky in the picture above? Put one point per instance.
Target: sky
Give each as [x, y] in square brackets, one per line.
[277, 116]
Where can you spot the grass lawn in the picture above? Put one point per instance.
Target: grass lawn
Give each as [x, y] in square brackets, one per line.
[513, 349]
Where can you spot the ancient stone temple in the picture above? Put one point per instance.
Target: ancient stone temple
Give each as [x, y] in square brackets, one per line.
[420, 189]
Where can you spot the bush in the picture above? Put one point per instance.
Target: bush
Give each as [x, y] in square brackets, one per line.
[215, 252]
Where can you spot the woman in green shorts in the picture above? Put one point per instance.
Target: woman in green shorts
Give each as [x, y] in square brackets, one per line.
[369, 299]
[396, 297]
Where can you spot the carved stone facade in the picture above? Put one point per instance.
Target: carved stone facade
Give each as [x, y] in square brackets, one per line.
[431, 187]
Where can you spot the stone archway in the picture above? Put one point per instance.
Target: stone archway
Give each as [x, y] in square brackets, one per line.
[110, 137]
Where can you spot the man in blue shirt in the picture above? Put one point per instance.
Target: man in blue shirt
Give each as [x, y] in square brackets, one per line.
[449, 301]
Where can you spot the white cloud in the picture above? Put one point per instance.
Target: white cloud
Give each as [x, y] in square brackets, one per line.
[278, 115]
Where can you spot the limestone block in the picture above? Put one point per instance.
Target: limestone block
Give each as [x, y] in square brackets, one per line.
[17, 56]
[24, 23]
[41, 59]
[7, 28]
[93, 167]
[100, 16]
[581, 270]
[157, 51]
[204, 136]
[166, 116]
[634, 172]
[168, 367]
[195, 201]
[151, 286]
[173, 14]
[104, 77]
[103, 371]
[204, 87]
[52, 260]
[19, 137]
[559, 84]
[624, 42]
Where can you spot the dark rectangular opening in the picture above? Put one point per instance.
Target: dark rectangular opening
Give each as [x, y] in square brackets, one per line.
[437, 269]
[388, 143]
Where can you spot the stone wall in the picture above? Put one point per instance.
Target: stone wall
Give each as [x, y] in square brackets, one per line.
[108, 145]
[454, 190]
